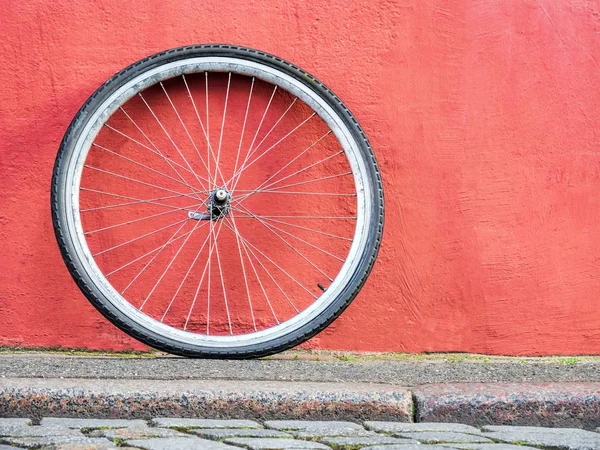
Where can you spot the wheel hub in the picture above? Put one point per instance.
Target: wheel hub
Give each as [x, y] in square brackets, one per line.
[218, 206]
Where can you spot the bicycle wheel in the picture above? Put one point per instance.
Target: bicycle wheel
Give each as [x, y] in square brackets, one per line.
[217, 201]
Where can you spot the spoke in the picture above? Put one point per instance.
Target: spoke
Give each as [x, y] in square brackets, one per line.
[194, 190]
[262, 119]
[255, 273]
[302, 228]
[170, 264]
[270, 276]
[305, 217]
[253, 192]
[144, 218]
[136, 202]
[244, 273]
[223, 126]
[208, 283]
[294, 159]
[242, 197]
[173, 142]
[209, 154]
[147, 254]
[183, 125]
[139, 237]
[156, 151]
[271, 228]
[160, 249]
[272, 262]
[223, 286]
[212, 238]
[302, 170]
[237, 158]
[207, 126]
[239, 173]
[185, 277]
[141, 182]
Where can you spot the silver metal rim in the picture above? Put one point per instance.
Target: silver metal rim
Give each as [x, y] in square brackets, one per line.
[364, 192]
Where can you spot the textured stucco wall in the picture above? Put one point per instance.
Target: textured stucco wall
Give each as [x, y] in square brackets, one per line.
[483, 115]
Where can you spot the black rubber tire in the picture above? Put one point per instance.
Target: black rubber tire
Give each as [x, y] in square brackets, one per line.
[59, 205]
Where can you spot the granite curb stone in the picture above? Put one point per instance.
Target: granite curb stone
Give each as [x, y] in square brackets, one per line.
[219, 399]
[535, 404]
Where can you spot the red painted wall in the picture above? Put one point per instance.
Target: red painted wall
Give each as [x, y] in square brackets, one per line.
[483, 115]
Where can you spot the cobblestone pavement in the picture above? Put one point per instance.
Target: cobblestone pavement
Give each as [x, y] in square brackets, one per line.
[184, 434]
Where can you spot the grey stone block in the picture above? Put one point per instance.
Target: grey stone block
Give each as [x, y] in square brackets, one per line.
[315, 429]
[87, 446]
[364, 441]
[138, 433]
[167, 422]
[307, 425]
[38, 431]
[52, 441]
[399, 427]
[274, 444]
[221, 433]
[491, 447]
[564, 438]
[14, 422]
[9, 447]
[408, 447]
[438, 437]
[92, 423]
[179, 444]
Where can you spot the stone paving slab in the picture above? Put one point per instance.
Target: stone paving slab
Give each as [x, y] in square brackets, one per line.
[219, 399]
[51, 441]
[167, 422]
[364, 441]
[87, 446]
[439, 437]
[491, 447]
[20, 422]
[423, 436]
[311, 425]
[37, 431]
[91, 423]
[137, 433]
[179, 444]
[548, 404]
[275, 444]
[564, 438]
[316, 429]
[220, 433]
[408, 447]
[8, 447]
[397, 427]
